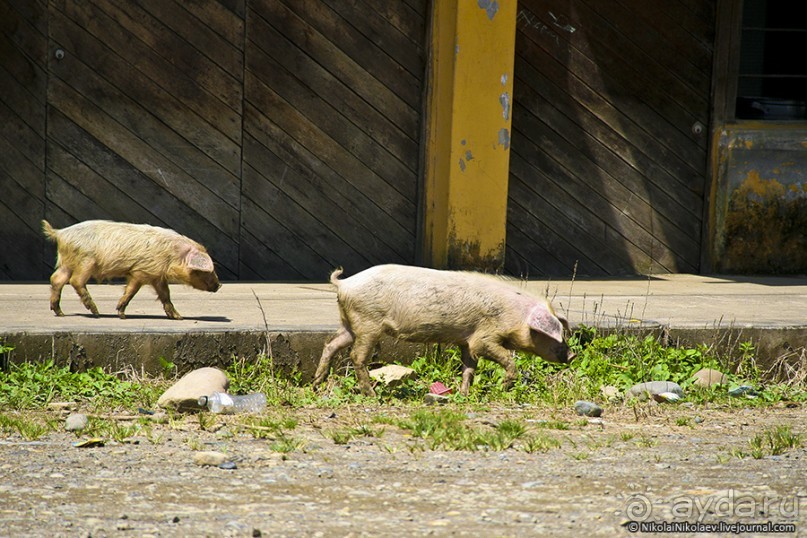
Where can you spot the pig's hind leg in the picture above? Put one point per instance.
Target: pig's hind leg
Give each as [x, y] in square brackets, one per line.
[133, 285]
[342, 340]
[469, 363]
[79, 281]
[362, 348]
[58, 279]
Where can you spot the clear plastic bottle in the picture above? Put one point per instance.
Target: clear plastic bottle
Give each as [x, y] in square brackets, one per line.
[230, 404]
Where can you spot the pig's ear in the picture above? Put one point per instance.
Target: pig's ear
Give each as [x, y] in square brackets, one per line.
[542, 320]
[198, 260]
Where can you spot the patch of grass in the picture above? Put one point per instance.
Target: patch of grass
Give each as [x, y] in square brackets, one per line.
[773, 441]
[112, 429]
[285, 444]
[34, 385]
[683, 421]
[553, 424]
[644, 441]
[28, 428]
[264, 427]
[539, 443]
[447, 430]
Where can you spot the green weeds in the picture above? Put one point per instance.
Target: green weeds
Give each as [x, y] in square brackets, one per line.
[773, 441]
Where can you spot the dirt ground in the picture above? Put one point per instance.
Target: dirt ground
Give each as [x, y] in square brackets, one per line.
[670, 463]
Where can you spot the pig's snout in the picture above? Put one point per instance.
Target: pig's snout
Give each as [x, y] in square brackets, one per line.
[562, 353]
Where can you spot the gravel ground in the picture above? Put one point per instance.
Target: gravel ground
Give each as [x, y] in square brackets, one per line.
[670, 463]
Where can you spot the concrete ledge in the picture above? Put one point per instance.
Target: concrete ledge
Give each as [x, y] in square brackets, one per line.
[299, 318]
[294, 351]
[299, 351]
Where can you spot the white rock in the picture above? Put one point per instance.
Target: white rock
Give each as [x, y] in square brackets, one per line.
[654, 388]
[707, 377]
[76, 422]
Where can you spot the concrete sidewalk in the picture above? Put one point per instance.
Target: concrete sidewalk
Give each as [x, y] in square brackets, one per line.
[299, 317]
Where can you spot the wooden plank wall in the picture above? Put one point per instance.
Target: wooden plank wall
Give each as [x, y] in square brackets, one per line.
[144, 117]
[23, 80]
[282, 134]
[606, 172]
[331, 134]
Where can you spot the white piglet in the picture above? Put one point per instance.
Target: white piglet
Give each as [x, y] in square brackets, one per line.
[484, 315]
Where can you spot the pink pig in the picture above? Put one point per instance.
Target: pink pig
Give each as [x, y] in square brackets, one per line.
[483, 314]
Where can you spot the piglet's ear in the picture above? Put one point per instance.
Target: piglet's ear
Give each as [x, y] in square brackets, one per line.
[198, 260]
[542, 320]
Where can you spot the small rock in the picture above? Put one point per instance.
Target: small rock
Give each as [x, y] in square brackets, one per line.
[76, 422]
[393, 374]
[325, 473]
[184, 394]
[653, 388]
[211, 458]
[610, 392]
[228, 465]
[708, 377]
[588, 409]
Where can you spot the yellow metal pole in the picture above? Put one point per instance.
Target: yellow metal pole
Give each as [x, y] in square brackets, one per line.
[468, 133]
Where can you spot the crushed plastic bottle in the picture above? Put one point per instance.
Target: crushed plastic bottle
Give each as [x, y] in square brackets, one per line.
[230, 404]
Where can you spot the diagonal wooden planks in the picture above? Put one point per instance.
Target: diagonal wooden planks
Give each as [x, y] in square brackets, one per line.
[606, 171]
[331, 123]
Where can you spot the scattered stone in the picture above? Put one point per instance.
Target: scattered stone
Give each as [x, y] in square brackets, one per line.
[393, 374]
[708, 377]
[76, 422]
[210, 458]
[184, 394]
[698, 420]
[610, 392]
[228, 465]
[654, 388]
[588, 409]
[432, 399]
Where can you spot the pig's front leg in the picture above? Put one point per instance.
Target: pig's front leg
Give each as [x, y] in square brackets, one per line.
[496, 352]
[164, 295]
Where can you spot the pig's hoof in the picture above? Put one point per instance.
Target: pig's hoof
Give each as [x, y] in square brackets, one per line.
[121, 315]
[59, 314]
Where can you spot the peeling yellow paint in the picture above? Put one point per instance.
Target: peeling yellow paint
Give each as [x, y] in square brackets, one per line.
[761, 187]
[468, 134]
